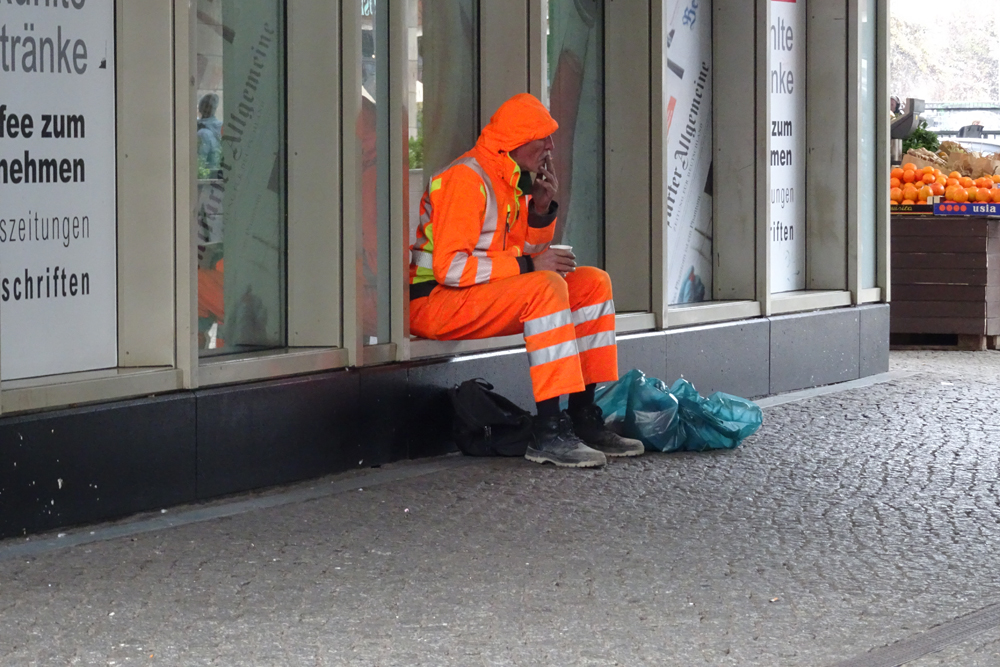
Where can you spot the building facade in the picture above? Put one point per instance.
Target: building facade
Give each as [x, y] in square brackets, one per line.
[207, 209]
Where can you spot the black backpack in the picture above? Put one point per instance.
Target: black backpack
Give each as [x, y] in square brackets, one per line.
[487, 424]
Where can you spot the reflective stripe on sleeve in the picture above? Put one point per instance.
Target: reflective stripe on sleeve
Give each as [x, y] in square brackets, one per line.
[588, 313]
[602, 339]
[484, 269]
[547, 323]
[422, 259]
[553, 353]
[455, 271]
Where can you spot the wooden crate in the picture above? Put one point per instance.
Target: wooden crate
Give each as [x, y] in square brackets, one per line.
[946, 278]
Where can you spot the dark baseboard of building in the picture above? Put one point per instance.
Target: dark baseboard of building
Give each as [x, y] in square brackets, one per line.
[83, 465]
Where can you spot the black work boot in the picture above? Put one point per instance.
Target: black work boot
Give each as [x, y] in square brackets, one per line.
[556, 443]
[589, 426]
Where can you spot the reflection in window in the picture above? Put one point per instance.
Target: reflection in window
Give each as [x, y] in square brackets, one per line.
[576, 101]
[373, 131]
[443, 69]
[241, 175]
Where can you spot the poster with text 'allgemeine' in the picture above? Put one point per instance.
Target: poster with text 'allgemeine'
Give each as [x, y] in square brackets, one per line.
[58, 270]
[689, 143]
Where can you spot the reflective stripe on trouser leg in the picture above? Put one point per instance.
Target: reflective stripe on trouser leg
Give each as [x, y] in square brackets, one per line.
[553, 354]
[593, 313]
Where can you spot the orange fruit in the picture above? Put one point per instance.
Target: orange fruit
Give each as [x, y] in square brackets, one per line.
[942, 179]
[909, 165]
[896, 195]
[996, 195]
[894, 183]
[965, 181]
[910, 192]
[907, 202]
[973, 194]
[996, 178]
[925, 192]
[937, 189]
[909, 176]
[949, 192]
[929, 178]
[985, 195]
[960, 195]
[954, 174]
[979, 182]
[929, 169]
[896, 173]
[953, 181]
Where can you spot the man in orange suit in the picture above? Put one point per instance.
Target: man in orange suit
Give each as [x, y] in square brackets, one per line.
[482, 266]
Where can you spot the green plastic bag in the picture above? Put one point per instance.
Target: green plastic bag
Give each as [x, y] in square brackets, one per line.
[676, 418]
[639, 407]
[721, 421]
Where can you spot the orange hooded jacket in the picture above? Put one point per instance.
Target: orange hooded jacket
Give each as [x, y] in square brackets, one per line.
[475, 224]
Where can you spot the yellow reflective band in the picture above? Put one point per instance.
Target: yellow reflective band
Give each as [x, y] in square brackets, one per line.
[435, 184]
[429, 233]
[517, 175]
[423, 275]
[482, 189]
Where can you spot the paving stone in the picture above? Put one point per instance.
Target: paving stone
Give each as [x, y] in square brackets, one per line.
[850, 521]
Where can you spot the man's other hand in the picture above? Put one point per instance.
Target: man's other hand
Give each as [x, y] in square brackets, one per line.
[555, 259]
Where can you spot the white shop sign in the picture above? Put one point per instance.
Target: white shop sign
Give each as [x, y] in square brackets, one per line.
[58, 271]
[786, 129]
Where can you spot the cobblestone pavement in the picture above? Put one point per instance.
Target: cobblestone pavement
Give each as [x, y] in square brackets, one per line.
[852, 520]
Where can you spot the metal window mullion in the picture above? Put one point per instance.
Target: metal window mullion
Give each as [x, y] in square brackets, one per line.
[762, 124]
[881, 14]
[399, 170]
[659, 149]
[351, 239]
[854, 129]
[538, 75]
[734, 152]
[313, 258]
[186, 191]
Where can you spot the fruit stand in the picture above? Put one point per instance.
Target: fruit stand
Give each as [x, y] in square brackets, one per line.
[945, 240]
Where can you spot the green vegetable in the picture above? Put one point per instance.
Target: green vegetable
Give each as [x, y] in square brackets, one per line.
[921, 138]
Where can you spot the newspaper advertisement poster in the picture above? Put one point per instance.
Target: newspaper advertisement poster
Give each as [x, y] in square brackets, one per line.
[689, 142]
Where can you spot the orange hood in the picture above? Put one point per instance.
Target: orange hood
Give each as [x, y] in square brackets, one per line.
[519, 120]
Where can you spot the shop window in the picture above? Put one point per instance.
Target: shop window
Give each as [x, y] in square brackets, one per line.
[241, 175]
[442, 89]
[575, 50]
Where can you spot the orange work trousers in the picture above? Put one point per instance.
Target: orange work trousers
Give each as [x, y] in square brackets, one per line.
[568, 323]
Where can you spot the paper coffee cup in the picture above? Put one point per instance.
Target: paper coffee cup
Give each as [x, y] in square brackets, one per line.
[562, 247]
